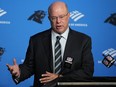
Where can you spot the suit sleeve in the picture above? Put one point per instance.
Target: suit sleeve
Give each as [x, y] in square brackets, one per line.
[26, 69]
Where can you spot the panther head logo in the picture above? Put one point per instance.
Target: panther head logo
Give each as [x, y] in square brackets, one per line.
[37, 16]
[111, 19]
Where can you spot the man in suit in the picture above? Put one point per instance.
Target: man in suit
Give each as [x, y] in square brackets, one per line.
[75, 52]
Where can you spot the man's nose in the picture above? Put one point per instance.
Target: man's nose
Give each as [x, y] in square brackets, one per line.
[58, 19]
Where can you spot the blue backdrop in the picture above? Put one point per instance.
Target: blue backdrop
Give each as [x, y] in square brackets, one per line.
[87, 16]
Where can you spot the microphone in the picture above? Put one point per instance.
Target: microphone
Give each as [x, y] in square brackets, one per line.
[109, 57]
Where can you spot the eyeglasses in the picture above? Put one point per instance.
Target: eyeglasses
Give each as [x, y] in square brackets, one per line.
[54, 18]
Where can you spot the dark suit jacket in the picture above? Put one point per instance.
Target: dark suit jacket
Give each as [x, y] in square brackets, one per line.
[39, 57]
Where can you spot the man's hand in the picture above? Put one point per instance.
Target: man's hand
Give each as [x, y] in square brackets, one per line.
[48, 77]
[14, 69]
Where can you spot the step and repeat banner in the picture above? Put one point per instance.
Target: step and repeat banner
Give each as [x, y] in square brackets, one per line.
[20, 19]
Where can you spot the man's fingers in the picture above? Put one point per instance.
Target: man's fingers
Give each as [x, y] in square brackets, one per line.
[14, 61]
[44, 80]
[48, 72]
[8, 66]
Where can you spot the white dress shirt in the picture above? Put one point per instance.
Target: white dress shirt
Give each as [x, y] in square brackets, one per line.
[62, 42]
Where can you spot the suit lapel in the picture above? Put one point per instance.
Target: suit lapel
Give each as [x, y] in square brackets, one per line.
[48, 49]
[68, 47]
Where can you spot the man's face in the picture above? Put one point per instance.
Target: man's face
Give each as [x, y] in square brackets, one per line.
[59, 18]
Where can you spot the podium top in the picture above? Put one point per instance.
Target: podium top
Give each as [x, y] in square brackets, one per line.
[94, 82]
[86, 83]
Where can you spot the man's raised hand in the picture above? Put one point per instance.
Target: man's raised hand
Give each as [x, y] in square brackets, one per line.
[14, 69]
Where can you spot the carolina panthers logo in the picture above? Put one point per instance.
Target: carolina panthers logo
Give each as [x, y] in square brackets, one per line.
[37, 16]
[111, 19]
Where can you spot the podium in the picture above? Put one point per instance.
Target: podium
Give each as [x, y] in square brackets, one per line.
[95, 82]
